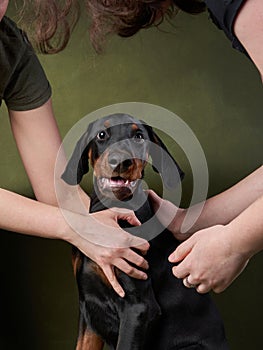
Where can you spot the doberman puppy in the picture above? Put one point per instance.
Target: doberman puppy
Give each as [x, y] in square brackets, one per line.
[159, 313]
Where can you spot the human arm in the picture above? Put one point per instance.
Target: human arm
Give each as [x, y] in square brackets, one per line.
[220, 209]
[248, 27]
[30, 217]
[223, 251]
[214, 257]
[38, 141]
[231, 232]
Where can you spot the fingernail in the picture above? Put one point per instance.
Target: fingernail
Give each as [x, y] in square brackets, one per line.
[144, 276]
[171, 258]
[121, 294]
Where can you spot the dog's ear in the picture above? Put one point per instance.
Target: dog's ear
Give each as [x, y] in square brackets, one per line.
[162, 161]
[78, 164]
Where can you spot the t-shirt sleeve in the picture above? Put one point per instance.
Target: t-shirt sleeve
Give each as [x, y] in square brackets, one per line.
[223, 13]
[28, 87]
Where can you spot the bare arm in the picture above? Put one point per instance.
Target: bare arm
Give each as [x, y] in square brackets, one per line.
[23, 215]
[218, 210]
[226, 206]
[223, 251]
[229, 233]
[248, 27]
[38, 141]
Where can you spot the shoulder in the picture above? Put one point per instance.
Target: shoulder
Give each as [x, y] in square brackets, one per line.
[13, 45]
[23, 83]
[13, 41]
[248, 27]
[224, 13]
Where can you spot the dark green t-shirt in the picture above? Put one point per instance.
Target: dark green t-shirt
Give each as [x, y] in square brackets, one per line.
[23, 83]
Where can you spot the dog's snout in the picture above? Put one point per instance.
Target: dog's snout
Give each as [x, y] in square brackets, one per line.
[116, 160]
[126, 163]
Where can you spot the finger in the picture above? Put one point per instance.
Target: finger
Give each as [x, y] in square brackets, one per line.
[202, 289]
[180, 271]
[130, 270]
[109, 273]
[219, 289]
[128, 215]
[131, 218]
[136, 259]
[188, 283]
[141, 245]
[181, 251]
[154, 198]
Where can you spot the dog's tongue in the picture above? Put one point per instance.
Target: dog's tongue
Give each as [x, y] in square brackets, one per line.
[118, 182]
[114, 182]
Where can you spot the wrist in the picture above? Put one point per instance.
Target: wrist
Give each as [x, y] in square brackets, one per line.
[65, 231]
[178, 220]
[239, 241]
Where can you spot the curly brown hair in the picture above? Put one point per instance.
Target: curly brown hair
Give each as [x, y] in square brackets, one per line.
[52, 21]
[127, 17]
[49, 23]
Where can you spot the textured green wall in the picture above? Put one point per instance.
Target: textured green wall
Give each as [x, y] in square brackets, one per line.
[189, 69]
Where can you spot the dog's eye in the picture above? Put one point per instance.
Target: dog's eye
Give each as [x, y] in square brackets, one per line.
[138, 137]
[102, 135]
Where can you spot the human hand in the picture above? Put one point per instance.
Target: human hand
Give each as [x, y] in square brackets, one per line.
[110, 246]
[169, 215]
[209, 260]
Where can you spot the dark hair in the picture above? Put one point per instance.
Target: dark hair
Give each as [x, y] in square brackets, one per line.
[49, 23]
[127, 17]
[52, 21]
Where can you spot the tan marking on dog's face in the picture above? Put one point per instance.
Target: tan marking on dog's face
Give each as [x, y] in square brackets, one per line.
[134, 127]
[90, 154]
[101, 165]
[107, 123]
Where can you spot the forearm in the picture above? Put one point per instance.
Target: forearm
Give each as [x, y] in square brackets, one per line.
[222, 251]
[30, 217]
[23, 215]
[246, 230]
[226, 206]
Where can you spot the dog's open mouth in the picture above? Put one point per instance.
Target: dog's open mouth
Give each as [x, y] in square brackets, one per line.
[116, 182]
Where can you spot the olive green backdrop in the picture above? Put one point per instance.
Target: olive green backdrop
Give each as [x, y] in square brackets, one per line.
[190, 69]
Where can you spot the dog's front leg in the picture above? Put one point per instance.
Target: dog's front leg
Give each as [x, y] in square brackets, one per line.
[134, 325]
[87, 339]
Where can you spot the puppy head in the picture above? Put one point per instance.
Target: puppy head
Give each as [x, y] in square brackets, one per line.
[118, 148]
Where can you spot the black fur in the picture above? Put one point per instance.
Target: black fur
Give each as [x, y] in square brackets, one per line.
[157, 314]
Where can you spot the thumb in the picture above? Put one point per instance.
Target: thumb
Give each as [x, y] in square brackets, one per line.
[155, 199]
[127, 215]
[181, 251]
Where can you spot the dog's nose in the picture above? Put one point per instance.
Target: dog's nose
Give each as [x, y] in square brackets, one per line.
[115, 161]
[126, 163]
